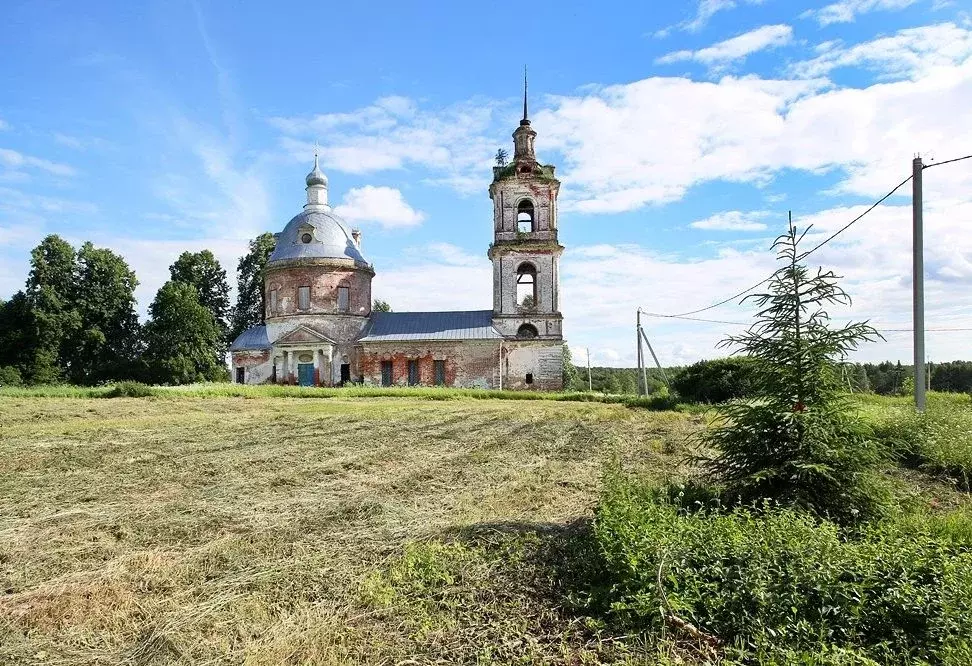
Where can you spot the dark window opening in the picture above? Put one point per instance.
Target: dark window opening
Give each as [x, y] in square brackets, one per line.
[386, 373]
[344, 299]
[439, 371]
[526, 286]
[345, 373]
[273, 373]
[240, 375]
[527, 331]
[303, 298]
[413, 372]
[306, 238]
[273, 301]
[529, 378]
[525, 218]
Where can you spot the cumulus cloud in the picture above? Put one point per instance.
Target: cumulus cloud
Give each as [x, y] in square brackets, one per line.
[383, 205]
[846, 11]
[736, 48]
[649, 141]
[910, 53]
[733, 220]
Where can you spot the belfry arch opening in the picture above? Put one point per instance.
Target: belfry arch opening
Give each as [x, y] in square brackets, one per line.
[526, 286]
[525, 217]
[527, 332]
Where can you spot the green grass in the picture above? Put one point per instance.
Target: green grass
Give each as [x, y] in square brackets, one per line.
[225, 390]
[222, 524]
[230, 530]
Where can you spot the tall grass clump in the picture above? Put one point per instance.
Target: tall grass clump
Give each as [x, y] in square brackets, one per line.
[778, 585]
[799, 440]
[938, 440]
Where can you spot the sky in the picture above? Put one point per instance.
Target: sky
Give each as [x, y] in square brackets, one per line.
[682, 132]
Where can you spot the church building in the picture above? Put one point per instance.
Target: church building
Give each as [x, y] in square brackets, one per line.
[320, 330]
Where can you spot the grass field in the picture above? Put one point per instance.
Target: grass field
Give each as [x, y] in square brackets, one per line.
[200, 527]
[281, 530]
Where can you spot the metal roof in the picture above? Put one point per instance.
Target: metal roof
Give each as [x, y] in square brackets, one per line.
[254, 337]
[330, 238]
[461, 325]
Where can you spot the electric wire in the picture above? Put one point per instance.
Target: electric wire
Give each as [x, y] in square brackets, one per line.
[956, 159]
[806, 254]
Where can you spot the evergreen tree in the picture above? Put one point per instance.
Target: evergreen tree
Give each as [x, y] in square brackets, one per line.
[183, 341]
[799, 441]
[105, 343]
[250, 307]
[203, 271]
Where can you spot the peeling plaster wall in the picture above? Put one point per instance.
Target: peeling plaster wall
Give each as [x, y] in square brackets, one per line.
[544, 360]
[256, 365]
[323, 282]
[468, 364]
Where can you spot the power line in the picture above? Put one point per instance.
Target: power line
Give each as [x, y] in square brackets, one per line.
[957, 159]
[767, 279]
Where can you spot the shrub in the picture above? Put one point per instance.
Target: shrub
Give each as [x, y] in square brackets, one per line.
[10, 376]
[775, 583]
[715, 381]
[800, 440]
[130, 390]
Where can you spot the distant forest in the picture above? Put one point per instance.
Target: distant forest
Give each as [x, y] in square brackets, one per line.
[886, 378]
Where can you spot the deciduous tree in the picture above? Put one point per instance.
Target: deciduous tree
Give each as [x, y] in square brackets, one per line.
[251, 308]
[183, 341]
[203, 271]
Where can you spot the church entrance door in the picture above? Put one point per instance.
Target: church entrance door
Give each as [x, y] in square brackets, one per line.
[305, 374]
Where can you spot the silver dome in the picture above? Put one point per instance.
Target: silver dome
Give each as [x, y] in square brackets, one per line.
[316, 176]
[330, 239]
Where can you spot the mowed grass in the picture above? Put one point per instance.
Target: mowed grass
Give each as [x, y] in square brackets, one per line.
[280, 530]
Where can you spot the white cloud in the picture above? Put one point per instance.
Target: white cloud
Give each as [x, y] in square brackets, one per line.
[736, 48]
[393, 133]
[384, 205]
[704, 11]
[733, 220]
[910, 53]
[438, 276]
[846, 11]
[650, 141]
[17, 161]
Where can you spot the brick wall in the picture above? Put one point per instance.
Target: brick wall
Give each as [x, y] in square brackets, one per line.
[468, 364]
[323, 282]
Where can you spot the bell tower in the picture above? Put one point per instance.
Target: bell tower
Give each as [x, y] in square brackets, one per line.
[525, 251]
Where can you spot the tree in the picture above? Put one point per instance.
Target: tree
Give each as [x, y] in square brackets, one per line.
[203, 271]
[53, 319]
[381, 306]
[799, 441]
[502, 157]
[106, 342]
[570, 376]
[16, 334]
[251, 308]
[183, 341]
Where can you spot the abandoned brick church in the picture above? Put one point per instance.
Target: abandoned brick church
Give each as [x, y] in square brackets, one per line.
[320, 329]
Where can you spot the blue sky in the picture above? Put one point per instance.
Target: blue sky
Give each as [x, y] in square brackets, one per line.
[682, 133]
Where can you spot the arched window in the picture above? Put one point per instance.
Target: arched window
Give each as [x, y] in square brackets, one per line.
[527, 331]
[526, 286]
[525, 218]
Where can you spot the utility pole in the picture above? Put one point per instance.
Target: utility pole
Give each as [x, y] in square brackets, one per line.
[590, 385]
[918, 283]
[642, 384]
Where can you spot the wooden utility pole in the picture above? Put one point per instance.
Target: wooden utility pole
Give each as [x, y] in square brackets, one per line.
[918, 282]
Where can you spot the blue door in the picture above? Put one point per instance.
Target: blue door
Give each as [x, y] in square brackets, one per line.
[305, 374]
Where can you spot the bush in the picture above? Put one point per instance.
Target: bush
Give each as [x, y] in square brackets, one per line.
[715, 381]
[130, 390]
[10, 376]
[774, 583]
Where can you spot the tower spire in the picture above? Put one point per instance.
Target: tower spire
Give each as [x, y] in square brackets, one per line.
[526, 117]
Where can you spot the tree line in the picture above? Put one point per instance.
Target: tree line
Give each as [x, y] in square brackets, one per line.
[75, 319]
